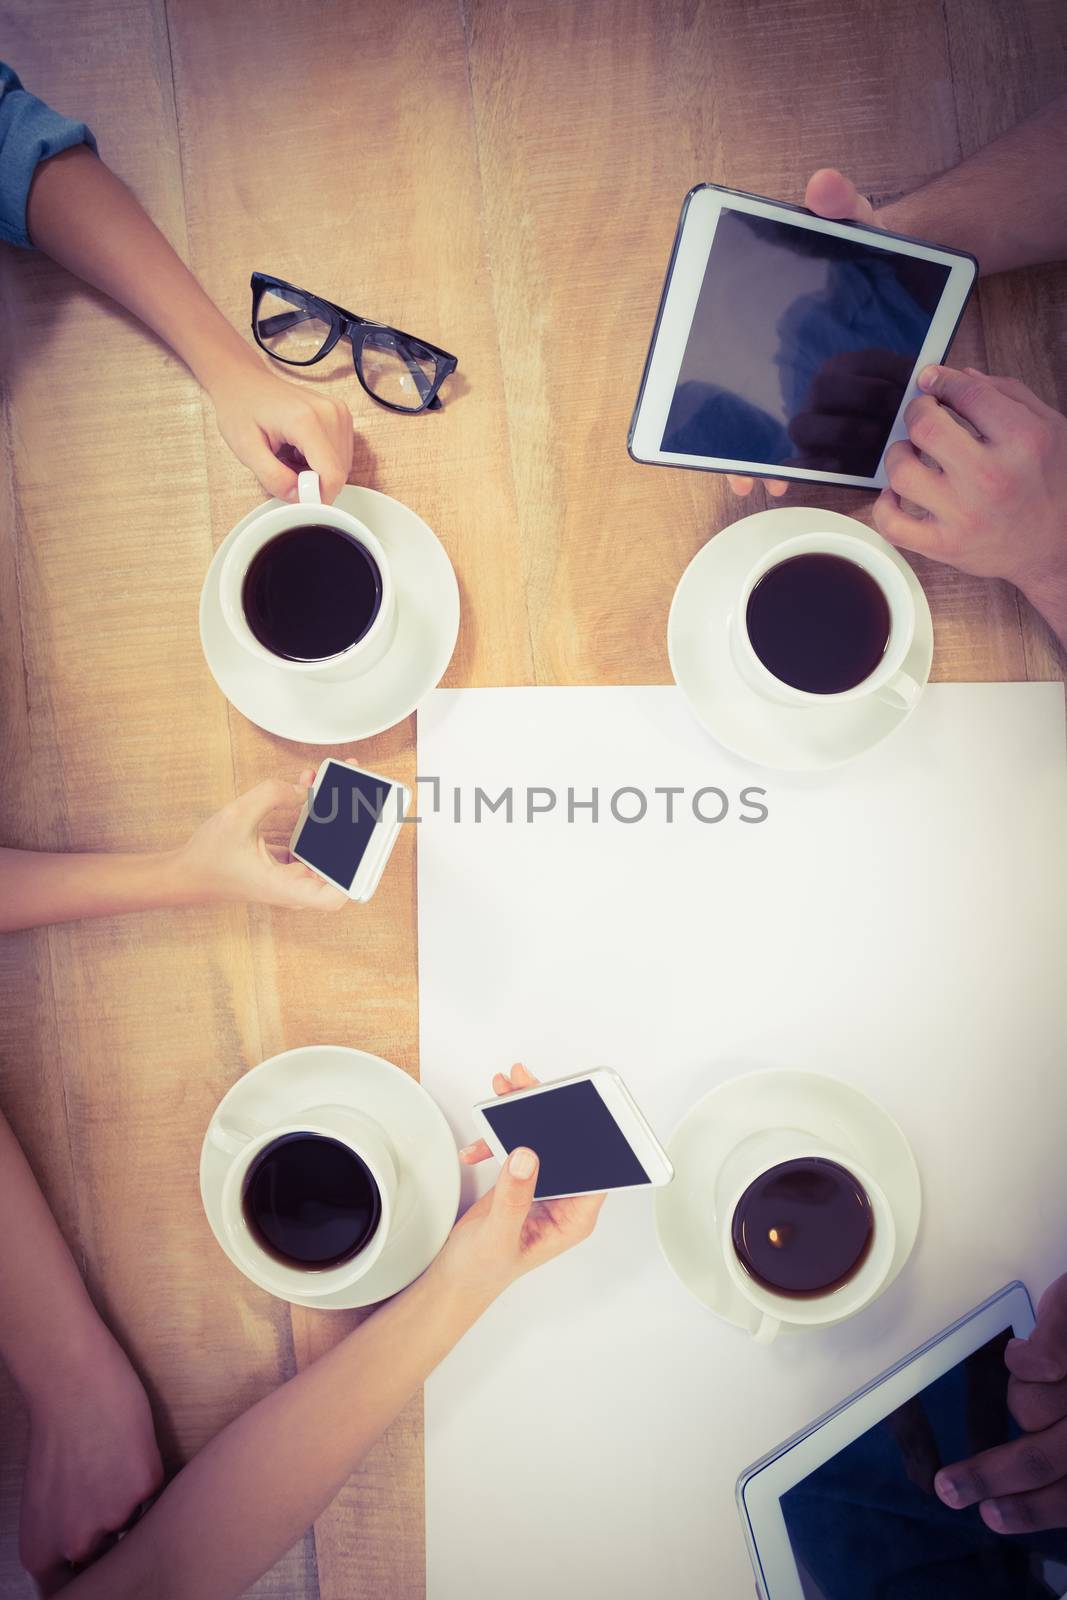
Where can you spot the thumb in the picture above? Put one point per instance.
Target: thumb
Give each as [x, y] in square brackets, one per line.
[831, 194]
[270, 795]
[514, 1192]
[1042, 1358]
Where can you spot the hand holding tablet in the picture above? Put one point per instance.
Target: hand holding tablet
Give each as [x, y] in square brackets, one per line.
[859, 1505]
[787, 344]
[1021, 1486]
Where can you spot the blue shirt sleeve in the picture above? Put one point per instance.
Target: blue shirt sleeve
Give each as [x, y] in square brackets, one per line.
[30, 132]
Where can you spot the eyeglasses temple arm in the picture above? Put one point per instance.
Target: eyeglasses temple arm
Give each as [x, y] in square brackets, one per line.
[269, 326]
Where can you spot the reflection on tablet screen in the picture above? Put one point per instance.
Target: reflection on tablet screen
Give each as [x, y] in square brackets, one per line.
[867, 1525]
[801, 348]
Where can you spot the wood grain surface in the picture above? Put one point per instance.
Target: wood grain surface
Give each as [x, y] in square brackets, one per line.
[503, 176]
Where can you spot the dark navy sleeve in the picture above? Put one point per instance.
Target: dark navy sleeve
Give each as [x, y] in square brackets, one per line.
[30, 132]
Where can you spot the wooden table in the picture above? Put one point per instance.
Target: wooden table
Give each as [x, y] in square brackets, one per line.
[503, 177]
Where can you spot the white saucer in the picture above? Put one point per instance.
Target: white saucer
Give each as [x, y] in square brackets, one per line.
[836, 1112]
[323, 711]
[791, 738]
[425, 1151]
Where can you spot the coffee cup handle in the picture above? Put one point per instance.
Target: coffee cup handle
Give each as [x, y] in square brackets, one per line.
[769, 1328]
[902, 693]
[228, 1138]
[307, 489]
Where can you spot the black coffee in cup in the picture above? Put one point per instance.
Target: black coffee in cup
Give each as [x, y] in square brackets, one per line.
[819, 622]
[310, 1201]
[311, 592]
[804, 1227]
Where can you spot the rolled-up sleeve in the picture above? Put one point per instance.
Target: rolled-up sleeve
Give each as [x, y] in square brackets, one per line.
[30, 132]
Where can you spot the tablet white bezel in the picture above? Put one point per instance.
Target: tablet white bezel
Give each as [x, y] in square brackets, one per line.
[696, 230]
[761, 1486]
[622, 1108]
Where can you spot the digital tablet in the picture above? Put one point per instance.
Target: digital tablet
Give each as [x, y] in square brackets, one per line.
[787, 346]
[846, 1510]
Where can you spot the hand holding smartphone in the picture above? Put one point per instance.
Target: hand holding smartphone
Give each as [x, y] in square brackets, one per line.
[586, 1131]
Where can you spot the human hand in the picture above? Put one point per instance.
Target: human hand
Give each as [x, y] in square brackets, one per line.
[229, 858]
[992, 496]
[1021, 1486]
[829, 194]
[258, 412]
[507, 1232]
[93, 1461]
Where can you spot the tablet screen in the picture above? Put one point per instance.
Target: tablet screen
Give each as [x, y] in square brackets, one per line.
[801, 348]
[867, 1525]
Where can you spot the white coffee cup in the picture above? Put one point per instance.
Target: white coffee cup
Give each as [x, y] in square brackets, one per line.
[747, 1162]
[368, 650]
[349, 1127]
[888, 681]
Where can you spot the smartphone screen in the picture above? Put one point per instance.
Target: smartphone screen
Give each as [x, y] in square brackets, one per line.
[342, 815]
[579, 1144]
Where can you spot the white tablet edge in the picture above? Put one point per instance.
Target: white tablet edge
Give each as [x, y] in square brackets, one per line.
[685, 274]
[761, 1486]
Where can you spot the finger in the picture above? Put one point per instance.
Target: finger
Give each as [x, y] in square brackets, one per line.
[514, 1193]
[270, 795]
[502, 1084]
[741, 486]
[1042, 1358]
[587, 1208]
[995, 416]
[1027, 1513]
[939, 434]
[911, 479]
[473, 1153]
[1014, 390]
[922, 534]
[1032, 1462]
[522, 1077]
[306, 778]
[274, 476]
[300, 888]
[322, 454]
[1036, 1405]
[776, 487]
[51, 1579]
[830, 194]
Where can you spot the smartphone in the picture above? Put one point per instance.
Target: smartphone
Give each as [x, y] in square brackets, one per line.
[346, 830]
[787, 345]
[586, 1131]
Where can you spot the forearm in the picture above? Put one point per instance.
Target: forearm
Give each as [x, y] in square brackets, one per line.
[84, 217]
[1006, 204]
[252, 1491]
[37, 887]
[48, 1326]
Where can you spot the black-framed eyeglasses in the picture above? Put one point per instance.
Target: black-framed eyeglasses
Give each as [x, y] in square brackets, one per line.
[395, 368]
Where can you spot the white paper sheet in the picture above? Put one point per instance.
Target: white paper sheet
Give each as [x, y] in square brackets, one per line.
[901, 923]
